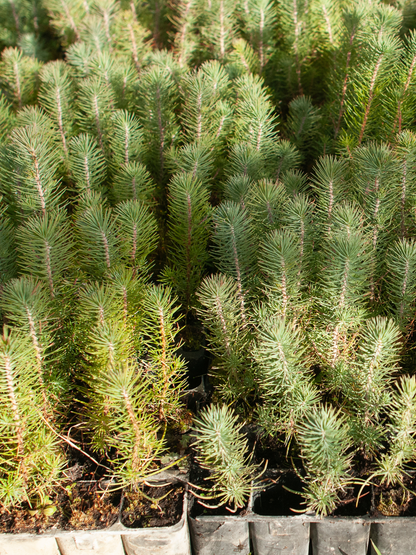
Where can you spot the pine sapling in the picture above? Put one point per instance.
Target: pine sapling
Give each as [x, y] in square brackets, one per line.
[325, 447]
[222, 449]
[229, 338]
[188, 235]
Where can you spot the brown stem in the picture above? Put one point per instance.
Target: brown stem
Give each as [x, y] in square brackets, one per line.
[8, 366]
[39, 360]
[38, 181]
[60, 120]
[370, 97]
[106, 249]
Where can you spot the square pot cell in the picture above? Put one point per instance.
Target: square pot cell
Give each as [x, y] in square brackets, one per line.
[394, 535]
[165, 540]
[340, 536]
[274, 528]
[217, 534]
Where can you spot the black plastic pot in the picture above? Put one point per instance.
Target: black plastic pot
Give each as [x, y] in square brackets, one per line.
[393, 535]
[284, 535]
[217, 534]
[340, 536]
[274, 529]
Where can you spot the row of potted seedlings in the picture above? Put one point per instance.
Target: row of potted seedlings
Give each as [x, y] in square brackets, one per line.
[305, 325]
[188, 318]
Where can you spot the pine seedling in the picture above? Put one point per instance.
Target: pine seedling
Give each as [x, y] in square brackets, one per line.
[378, 190]
[66, 18]
[98, 244]
[124, 82]
[126, 142]
[283, 375]
[188, 234]
[109, 344]
[329, 183]
[119, 417]
[129, 289]
[31, 458]
[93, 33]
[242, 59]
[368, 79]
[27, 304]
[348, 218]
[79, 57]
[342, 296]
[280, 262]
[229, 338]
[32, 182]
[325, 446]
[131, 38]
[99, 305]
[326, 24]
[401, 281]
[137, 232]
[302, 124]
[19, 77]
[164, 368]
[36, 117]
[218, 28]
[185, 38]
[390, 468]
[133, 182]
[233, 247]
[246, 160]
[260, 21]
[370, 376]
[56, 97]
[95, 106]
[403, 94]
[237, 189]
[44, 246]
[295, 183]
[345, 270]
[11, 15]
[195, 158]
[222, 449]
[157, 94]
[107, 10]
[265, 203]
[87, 164]
[384, 20]
[255, 120]
[346, 60]
[102, 66]
[206, 115]
[155, 17]
[298, 217]
[292, 16]
[282, 156]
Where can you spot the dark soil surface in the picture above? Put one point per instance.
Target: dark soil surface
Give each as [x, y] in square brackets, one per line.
[348, 505]
[396, 500]
[83, 502]
[76, 506]
[164, 509]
